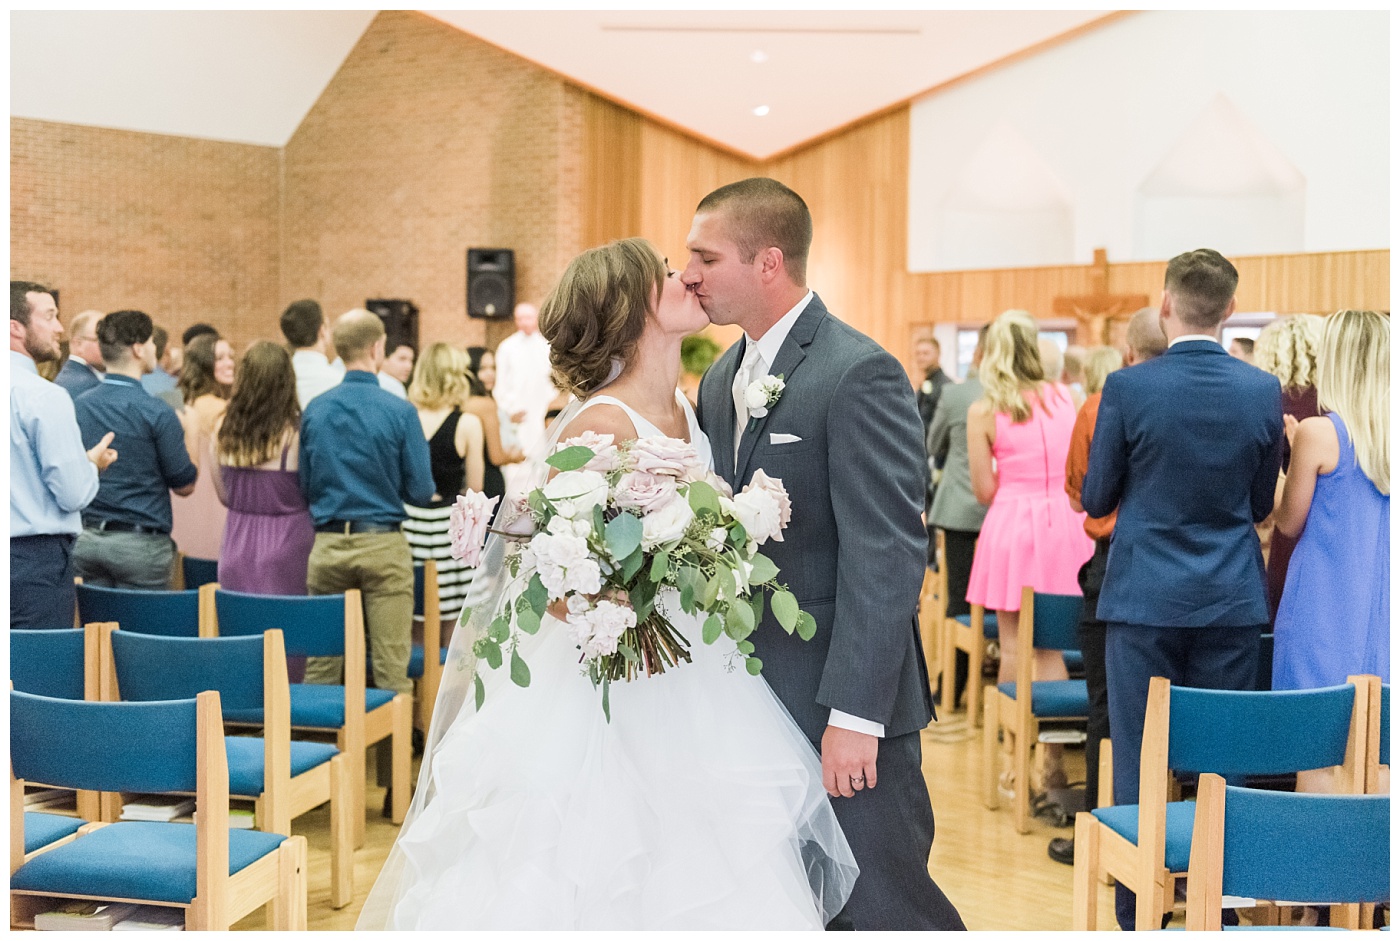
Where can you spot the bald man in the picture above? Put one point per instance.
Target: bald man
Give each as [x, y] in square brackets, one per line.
[84, 368]
[524, 391]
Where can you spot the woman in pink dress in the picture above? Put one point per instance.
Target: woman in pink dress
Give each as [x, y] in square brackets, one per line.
[1031, 536]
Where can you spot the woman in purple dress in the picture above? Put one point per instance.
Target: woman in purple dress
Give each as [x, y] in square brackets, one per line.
[269, 534]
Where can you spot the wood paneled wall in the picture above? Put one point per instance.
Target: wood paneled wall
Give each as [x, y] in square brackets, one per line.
[856, 183]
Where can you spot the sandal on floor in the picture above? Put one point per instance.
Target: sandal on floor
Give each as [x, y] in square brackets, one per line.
[1006, 784]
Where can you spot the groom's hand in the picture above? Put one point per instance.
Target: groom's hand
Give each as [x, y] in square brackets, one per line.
[848, 761]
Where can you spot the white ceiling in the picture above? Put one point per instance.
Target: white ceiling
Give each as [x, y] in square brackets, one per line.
[252, 76]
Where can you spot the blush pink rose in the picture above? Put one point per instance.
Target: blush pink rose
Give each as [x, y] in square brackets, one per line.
[471, 515]
[604, 459]
[647, 492]
[667, 457]
[764, 508]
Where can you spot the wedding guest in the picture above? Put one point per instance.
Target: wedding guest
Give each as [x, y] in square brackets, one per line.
[1052, 361]
[1145, 341]
[483, 405]
[125, 542]
[456, 451]
[1334, 617]
[206, 381]
[197, 330]
[955, 509]
[51, 478]
[698, 354]
[363, 456]
[928, 355]
[524, 390]
[397, 370]
[158, 381]
[1242, 348]
[308, 335]
[1075, 359]
[1031, 535]
[1287, 349]
[83, 369]
[1183, 594]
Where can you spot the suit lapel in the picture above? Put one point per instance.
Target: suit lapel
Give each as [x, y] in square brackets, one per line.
[720, 410]
[790, 356]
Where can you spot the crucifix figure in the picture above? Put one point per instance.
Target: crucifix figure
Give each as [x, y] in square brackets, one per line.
[1099, 311]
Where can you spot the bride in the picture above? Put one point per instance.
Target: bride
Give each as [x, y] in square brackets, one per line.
[700, 804]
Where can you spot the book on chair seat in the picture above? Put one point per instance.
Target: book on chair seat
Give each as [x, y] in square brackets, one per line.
[153, 918]
[160, 808]
[84, 915]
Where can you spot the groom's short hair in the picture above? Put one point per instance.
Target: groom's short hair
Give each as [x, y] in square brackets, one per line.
[764, 213]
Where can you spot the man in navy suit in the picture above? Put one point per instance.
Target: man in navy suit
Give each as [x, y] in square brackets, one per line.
[83, 369]
[1187, 448]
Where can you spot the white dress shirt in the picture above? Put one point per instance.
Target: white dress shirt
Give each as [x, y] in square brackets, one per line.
[315, 374]
[389, 384]
[768, 346]
[51, 478]
[1194, 336]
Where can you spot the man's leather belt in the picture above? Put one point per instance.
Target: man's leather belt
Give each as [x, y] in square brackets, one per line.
[115, 526]
[352, 527]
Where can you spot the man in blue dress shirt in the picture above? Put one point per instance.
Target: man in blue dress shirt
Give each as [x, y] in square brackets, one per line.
[126, 541]
[363, 456]
[51, 478]
[82, 370]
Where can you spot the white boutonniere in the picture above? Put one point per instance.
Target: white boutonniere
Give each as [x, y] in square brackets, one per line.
[927, 387]
[763, 394]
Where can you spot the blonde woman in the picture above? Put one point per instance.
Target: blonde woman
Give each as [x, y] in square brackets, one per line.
[1100, 361]
[1031, 536]
[1334, 618]
[439, 390]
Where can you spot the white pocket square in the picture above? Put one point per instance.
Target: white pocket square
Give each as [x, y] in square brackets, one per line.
[776, 438]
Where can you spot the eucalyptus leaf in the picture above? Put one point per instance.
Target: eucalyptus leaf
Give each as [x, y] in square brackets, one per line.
[599, 522]
[500, 629]
[711, 592]
[712, 629]
[806, 626]
[633, 564]
[727, 587]
[537, 594]
[570, 459]
[480, 691]
[687, 599]
[643, 598]
[745, 647]
[607, 712]
[738, 535]
[754, 666]
[628, 653]
[763, 569]
[493, 654]
[703, 497]
[623, 535]
[734, 624]
[519, 672]
[785, 609]
[660, 565]
[756, 602]
[528, 621]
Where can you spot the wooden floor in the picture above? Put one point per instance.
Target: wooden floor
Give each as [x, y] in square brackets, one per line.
[998, 879]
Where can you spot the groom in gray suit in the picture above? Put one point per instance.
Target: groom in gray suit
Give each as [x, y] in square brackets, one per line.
[845, 438]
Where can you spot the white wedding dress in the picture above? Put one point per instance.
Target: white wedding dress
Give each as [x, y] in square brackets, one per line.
[699, 806]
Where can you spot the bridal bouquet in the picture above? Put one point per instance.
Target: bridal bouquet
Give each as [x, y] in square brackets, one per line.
[617, 525]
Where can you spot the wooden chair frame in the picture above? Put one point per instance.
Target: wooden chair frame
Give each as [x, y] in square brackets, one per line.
[277, 880]
[1141, 867]
[968, 638]
[208, 620]
[362, 728]
[1015, 715]
[431, 679]
[284, 796]
[933, 607]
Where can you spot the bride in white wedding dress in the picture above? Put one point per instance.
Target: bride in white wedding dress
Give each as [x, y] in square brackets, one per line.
[700, 804]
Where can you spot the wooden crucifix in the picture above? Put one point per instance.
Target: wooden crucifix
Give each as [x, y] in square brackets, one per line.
[1098, 311]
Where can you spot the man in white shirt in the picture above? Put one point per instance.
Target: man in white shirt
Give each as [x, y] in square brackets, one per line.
[397, 369]
[52, 477]
[304, 326]
[524, 390]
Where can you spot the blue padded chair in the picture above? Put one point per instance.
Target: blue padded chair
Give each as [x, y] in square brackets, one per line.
[1147, 846]
[1048, 622]
[60, 664]
[216, 875]
[332, 626]
[198, 572]
[1378, 737]
[426, 660]
[1315, 848]
[968, 633]
[284, 778]
[168, 613]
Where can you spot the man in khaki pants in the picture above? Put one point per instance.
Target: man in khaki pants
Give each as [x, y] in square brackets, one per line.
[363, 455]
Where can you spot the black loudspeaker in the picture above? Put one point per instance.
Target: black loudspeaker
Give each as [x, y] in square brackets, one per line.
[400, 322]
[490, 283]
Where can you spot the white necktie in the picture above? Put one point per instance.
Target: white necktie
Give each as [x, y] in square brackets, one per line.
[742, 378]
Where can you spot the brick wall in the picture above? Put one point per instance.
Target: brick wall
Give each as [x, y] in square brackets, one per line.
[425, 143]
[183, 229]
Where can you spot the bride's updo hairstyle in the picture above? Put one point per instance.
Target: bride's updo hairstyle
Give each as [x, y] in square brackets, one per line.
[596, 312]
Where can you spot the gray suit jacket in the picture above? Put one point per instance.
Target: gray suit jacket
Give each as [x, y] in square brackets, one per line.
[77, 378]
[855, 551]
[954, 506]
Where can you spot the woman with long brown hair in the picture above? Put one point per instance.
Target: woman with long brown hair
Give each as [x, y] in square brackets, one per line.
[205, 383]
[254, 457]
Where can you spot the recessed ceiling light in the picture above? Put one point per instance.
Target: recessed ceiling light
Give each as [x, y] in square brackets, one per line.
[758, 56]
[761, 110]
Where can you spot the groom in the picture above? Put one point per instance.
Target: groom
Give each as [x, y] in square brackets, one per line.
[845, 438]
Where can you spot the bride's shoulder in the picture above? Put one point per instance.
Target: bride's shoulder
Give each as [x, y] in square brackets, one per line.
[603, 418]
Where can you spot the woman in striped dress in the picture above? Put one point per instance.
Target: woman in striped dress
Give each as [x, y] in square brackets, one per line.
[439, 390]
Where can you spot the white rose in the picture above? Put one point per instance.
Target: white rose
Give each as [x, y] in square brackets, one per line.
[581, 489]
[566, 551]
[755, 396]
[759, 513]
[667, 524]
[718, 537]
[584, 577]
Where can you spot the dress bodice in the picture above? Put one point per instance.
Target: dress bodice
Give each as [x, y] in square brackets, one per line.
[646, 429]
